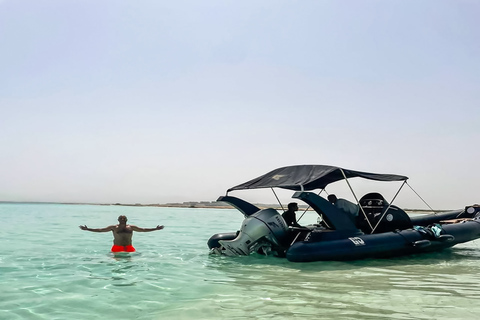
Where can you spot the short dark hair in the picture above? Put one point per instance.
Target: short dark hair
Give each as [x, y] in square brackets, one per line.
[292, 205]
[332, 198]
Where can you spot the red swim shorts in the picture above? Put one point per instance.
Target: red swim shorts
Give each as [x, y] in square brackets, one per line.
[117, 248]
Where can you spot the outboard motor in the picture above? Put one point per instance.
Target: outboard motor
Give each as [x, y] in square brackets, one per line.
[264, 229]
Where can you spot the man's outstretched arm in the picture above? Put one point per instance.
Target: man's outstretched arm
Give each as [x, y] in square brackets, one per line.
[106, 229]
[138, 229]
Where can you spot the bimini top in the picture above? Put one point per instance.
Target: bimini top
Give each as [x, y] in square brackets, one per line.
[310, 177]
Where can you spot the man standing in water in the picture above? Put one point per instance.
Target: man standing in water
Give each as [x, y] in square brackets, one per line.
[122, 234]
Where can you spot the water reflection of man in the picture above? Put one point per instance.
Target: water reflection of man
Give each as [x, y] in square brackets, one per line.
[122, 234]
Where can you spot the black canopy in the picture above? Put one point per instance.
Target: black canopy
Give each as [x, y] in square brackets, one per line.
[310, 177]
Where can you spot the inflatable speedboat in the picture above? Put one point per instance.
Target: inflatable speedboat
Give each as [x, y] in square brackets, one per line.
[379, 230]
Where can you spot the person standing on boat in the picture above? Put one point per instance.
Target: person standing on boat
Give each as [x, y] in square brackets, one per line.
[290, 217]
[122, 234]
[345, 205]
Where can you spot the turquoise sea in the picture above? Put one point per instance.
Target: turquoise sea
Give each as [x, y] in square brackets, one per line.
[50, 269]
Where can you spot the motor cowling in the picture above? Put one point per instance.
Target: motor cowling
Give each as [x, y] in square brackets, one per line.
[264, 226]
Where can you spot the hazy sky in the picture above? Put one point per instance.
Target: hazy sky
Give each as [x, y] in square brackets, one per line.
[167, 101]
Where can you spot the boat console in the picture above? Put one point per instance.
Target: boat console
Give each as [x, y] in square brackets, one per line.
[374, 206]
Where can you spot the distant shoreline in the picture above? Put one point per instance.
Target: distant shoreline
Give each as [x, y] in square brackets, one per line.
[197, 205]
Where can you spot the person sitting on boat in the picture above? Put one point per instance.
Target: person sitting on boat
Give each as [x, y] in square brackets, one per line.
[122, 234]
[290, 217]
[345, 205]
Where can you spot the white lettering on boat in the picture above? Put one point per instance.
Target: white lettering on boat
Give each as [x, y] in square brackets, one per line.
[357, 241]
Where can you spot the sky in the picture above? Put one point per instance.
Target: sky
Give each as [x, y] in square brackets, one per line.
[172, 101]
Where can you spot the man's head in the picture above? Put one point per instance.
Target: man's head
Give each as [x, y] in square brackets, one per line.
[293, 206]
[332, 198]
[122, 218]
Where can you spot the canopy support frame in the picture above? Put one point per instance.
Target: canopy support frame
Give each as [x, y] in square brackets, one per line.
[277, 199]
[434, 212]
[356, 199]
[389, 205]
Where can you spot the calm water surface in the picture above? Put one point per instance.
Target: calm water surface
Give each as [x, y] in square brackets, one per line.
[50, 269]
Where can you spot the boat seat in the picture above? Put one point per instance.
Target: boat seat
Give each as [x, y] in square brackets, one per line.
[374, 206]
[373, 199]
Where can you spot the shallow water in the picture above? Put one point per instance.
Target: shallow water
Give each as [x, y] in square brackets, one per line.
[50, 269]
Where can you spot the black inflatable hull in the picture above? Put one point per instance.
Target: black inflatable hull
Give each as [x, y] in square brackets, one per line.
[213, 241]
[383, 245]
